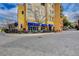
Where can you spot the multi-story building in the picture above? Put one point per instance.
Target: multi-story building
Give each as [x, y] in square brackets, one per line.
[39, 16]
[58, 20]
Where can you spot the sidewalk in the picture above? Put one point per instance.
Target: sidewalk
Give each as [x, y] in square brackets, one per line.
[34, 34]
[28, 34]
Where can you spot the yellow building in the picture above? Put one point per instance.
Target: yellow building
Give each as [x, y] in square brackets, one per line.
[22, 21]
[43, 13]
[50, 14]
[57, 19]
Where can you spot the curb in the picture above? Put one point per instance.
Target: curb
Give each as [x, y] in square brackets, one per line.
[29, 34]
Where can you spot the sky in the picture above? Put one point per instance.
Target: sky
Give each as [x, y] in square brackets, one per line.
[8, 11]
[71, 10]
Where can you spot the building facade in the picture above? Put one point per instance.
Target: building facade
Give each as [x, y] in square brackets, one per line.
[39, 16]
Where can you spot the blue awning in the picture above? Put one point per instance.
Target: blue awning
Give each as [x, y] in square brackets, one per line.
[33, 24]
[30, 23]
[50, 24]
[43, 24]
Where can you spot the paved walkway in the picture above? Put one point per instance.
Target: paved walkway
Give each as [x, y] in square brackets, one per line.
[49, 44]
[29, 34]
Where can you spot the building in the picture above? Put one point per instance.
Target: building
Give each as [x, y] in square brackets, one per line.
[22, 20]
[58, 21]
[34, 17]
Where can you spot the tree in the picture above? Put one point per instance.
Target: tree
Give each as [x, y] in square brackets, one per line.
[67, 24]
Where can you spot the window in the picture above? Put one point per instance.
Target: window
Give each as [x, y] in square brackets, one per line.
[43, 4]
[30, 6]
[52, 5]
[22, 12]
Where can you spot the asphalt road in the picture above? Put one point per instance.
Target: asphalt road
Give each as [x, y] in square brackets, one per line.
[53, 44]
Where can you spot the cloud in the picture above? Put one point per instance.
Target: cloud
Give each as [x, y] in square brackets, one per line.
[8, 14]
[8, 5]
[2, 6]
[66, 6]
[70, 10]
[71, 15]
[70, 6]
